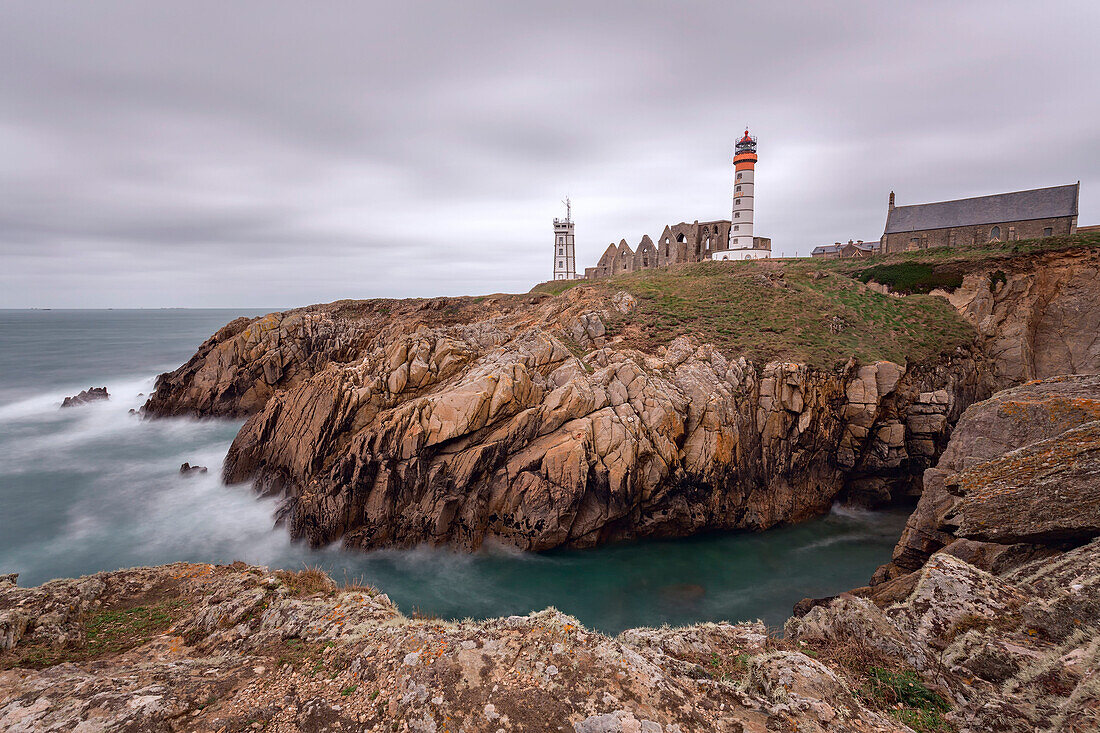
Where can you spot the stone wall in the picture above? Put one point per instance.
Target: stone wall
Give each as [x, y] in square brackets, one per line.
[678, 243]
[978, 234]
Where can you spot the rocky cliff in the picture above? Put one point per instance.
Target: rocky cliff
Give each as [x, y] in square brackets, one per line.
[1036, 317]
[1021, 471]
[526, 419]
[609, 412]
[997, 632]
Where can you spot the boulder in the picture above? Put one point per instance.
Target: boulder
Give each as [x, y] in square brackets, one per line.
[1045, 493]
[1010, 420]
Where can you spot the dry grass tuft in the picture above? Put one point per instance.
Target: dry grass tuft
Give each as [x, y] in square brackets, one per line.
[420, 614]
[306, 582]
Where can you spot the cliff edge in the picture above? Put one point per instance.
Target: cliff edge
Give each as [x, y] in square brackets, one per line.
[632, 407]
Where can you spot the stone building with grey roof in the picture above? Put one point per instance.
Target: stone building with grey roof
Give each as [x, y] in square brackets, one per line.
[1002, 217]
[851, 250]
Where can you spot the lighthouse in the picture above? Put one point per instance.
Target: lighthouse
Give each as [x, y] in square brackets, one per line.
[742, 244]
[564, 258]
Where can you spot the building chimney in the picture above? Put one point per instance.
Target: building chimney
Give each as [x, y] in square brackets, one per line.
[891, 201]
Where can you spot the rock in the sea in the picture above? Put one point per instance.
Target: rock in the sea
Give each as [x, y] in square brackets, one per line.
[91, 394]
[186, 469]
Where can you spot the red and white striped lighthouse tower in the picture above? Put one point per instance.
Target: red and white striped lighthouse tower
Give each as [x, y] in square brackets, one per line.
[741, 234]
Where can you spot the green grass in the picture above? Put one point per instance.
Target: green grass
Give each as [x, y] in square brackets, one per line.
[905, 696]
[945, 261]
[819, 311]
[557, 287]
[912, 277]
[774, 311]
[106, 632]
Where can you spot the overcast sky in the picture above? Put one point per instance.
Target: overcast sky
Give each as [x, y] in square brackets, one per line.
[275, 154]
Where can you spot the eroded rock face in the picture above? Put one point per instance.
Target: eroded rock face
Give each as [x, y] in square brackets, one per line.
[1046, 492]
[239, 645]
[203, 647]
[509, 429]
[450, 420]
[1014, 652]
[1012, 493]
[1036, 318]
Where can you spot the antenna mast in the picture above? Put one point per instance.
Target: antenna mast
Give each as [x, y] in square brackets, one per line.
[568, 209]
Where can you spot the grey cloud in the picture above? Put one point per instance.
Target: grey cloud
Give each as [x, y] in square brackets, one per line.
[278, 153]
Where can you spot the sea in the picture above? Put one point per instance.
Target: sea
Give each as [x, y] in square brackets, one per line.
[96, 488]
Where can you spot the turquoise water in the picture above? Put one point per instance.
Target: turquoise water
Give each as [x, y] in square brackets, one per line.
[95, 488]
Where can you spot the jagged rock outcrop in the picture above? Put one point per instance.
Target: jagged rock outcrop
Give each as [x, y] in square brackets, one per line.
[201, 647]
[236, 370]
[520, 417]
[540, 435]
[92, 394]
[1037, 316]
[1020, 468]
[1017, 651]
[233, 647]
[530, 419]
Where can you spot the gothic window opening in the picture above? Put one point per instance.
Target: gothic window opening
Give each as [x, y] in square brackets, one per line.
[995, 234]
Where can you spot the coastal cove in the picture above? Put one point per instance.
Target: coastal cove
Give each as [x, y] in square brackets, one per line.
[96, 488]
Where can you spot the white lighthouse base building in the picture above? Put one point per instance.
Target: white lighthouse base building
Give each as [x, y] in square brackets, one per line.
[762, 250]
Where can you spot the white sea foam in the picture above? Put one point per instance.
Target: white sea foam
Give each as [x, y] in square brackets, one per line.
[43, 404]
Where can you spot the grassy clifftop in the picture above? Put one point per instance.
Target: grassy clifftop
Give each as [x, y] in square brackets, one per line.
[814, 311]
[776, 310]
